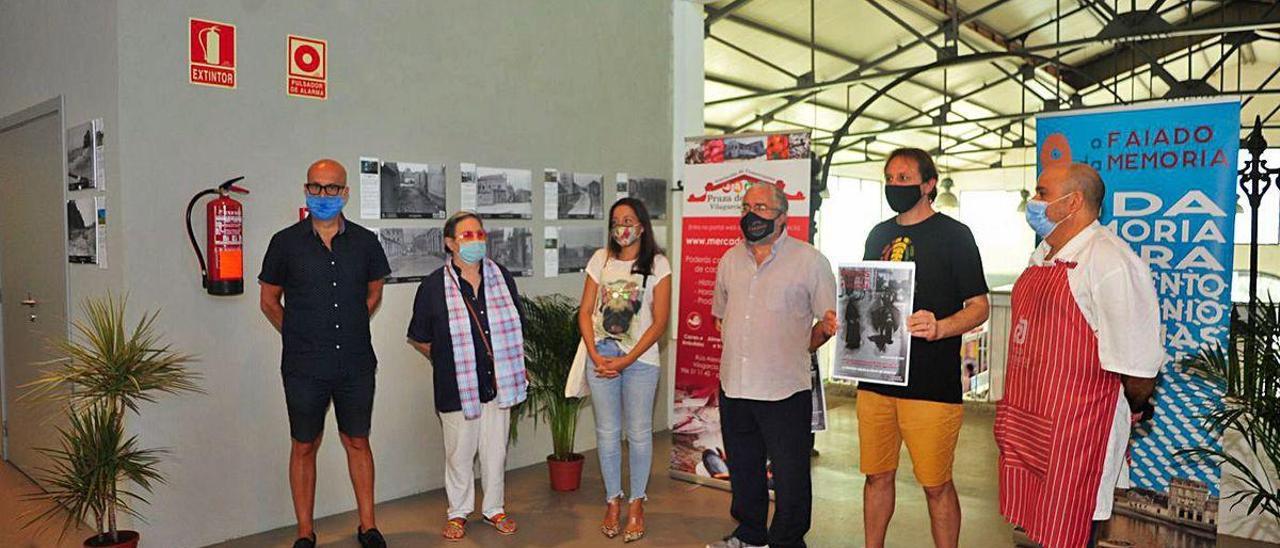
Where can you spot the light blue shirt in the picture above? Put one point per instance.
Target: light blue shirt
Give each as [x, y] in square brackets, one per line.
[768, 312]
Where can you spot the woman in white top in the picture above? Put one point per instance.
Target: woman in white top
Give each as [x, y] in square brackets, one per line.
[625, 304]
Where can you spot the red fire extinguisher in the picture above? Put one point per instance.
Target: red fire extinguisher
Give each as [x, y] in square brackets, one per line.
[223, 273]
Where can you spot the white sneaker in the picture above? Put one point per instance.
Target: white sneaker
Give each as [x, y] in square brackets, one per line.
[734, 542]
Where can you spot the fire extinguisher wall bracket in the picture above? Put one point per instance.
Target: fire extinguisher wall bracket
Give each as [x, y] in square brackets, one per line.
[222, 269]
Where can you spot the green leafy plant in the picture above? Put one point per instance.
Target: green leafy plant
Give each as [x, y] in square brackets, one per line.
[102, 371]
[550, 341]
[1248, 372]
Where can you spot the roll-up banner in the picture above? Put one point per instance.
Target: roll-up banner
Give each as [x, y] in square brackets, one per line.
[717, 171]
[1170, 172]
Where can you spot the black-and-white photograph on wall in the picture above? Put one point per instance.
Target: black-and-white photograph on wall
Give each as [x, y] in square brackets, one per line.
[412, 191]
[580, 196]
[512, 247]
[412, 252]
[575, 246]
[85, 169]
[649, 190]
[82, 231]
[500, 193]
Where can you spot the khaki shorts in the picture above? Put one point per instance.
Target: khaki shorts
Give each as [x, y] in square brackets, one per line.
[929, 428]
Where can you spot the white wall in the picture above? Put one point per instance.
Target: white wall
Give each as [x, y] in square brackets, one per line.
[576, 85]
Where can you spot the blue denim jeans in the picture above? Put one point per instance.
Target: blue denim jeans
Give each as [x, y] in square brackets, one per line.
[624, 400]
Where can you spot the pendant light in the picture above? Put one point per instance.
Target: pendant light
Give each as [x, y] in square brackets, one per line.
[947, 199]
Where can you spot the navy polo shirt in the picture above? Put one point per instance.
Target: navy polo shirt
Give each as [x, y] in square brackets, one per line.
[326, 315]
[430, 324]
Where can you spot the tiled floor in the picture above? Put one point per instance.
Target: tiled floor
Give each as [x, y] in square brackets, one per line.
[679, 513]
[683, 514]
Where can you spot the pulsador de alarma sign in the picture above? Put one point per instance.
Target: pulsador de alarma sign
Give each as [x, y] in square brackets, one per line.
[211, 59]
[308, 67]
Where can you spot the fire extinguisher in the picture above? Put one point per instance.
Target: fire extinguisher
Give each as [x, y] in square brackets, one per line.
[223, 273]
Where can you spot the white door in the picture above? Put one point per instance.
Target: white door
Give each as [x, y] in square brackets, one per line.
[33, 272]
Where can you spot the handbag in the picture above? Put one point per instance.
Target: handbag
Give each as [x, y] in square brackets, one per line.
[576, 385]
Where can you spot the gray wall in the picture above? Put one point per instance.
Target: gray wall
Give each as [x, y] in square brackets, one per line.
[576, 85]
[59, 47]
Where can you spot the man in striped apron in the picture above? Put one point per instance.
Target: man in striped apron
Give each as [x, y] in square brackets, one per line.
[1084, 349]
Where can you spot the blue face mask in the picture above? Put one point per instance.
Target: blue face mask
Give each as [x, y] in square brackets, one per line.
[1038, 217]
[324, 207]
[472, 252]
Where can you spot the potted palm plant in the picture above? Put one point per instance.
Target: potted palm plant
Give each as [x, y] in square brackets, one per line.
[550, 342]
[1247, 370]
[102, 372]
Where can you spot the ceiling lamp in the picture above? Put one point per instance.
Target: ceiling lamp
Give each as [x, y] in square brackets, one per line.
[1022, 206]
[947, 199]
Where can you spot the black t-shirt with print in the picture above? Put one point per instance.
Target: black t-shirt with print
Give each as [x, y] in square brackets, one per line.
[948, 271]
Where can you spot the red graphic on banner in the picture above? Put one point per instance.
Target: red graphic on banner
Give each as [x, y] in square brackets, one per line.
[737, 184]
[211, 53]
[308, 67]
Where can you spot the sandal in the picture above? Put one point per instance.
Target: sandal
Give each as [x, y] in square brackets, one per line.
[635, 525]
[611, 530]
[454, 529]
[503, 523]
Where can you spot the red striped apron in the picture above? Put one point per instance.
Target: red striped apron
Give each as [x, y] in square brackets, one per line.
[1053, 423]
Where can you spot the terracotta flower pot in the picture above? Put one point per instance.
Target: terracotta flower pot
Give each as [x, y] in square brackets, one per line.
[566, 475]
[128, 539]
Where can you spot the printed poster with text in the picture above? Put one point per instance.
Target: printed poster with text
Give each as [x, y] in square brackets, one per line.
[1170, 177]
[717, 171]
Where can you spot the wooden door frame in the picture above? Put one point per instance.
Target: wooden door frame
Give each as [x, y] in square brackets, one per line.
[54, 106]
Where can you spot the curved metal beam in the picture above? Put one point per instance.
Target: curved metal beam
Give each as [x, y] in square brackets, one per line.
[912, 73]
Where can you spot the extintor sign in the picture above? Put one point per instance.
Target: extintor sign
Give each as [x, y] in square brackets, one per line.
[308, 67]
[211, 53]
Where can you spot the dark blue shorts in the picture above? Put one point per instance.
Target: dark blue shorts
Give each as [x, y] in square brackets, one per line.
[308, 397]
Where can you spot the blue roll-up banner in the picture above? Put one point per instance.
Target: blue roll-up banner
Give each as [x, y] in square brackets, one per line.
[1170, 174]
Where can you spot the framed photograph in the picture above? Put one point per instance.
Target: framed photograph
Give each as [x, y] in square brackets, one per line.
[652, 192]
[512, 247]
[873, 343]
[502, 193]
[412, 252]
[575, 245]
[411, 191]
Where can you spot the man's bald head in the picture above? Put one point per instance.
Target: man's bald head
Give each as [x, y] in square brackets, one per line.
[1078, 177]
[327, 172]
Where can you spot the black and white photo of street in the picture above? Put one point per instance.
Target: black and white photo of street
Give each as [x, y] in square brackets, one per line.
[412, 252]
[576, 245]
[504, 193]
[82, 156]
[82, 238]
[581, 196]
[652, 192]
[412, 191]
[873, 344]
[512, 247]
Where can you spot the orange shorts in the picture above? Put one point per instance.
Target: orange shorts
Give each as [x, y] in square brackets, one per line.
[929, 428]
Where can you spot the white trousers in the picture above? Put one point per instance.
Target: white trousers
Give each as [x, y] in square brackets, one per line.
[487, 435]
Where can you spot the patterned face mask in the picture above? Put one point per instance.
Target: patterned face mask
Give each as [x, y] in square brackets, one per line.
[626, 235]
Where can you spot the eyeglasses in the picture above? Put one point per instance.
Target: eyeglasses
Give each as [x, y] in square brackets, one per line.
[758, 208]
[471, 235]
[315, 189]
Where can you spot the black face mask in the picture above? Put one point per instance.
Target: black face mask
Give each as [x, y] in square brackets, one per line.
[755, 227]
[902, 198]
